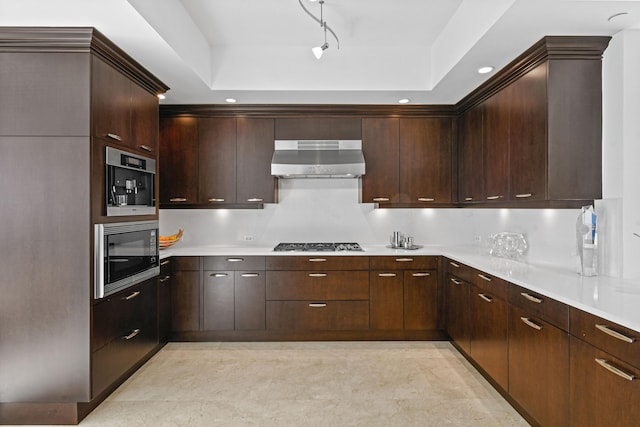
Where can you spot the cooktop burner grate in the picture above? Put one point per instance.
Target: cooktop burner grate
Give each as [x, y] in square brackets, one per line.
[318, 247]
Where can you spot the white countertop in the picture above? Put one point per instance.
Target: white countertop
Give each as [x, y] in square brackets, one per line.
[613, 299]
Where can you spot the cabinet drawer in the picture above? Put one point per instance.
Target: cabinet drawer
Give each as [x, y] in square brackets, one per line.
[233, 263]
[546, 308]
[490, 284]
[306, 285]
[318, 262]
[615, 339]
[185, 263]
[165, 266]
[318, 315]
[404, 262]
[458, 269]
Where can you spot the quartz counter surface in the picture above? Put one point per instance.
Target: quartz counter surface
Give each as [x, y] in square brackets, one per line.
[612, 299]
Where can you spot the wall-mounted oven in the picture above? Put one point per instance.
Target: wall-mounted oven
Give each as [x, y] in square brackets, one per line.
[130, 180]
[125, 254]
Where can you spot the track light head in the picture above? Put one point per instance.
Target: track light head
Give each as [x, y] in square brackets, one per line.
[319, 50]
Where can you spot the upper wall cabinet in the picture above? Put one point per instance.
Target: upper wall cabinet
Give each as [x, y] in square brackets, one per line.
[318, 128]
[381, 148]
[178, 161]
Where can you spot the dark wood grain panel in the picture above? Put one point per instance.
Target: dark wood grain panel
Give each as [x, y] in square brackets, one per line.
[491, 284]
[304, 285]
[420, 300]
[546, 308]
[144, 121]
[458, 322]
[217, 160]
[218, 300]
[386, 300]
[318, 128]
[110, 102]
[403, 262]
[185, 301]
[496, 146]
[178, 164]
[318, 262]
[249, 304]
[381, 145]
[470, 156]
[254, 151]
[185, 263]
[327, 316]
[233, 262]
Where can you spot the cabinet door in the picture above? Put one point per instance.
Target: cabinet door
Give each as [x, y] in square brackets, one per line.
[178, 161]
[600, 396]
[488, 344]
[255, 184]
[249, 296]
[144, 121]
[496, 146]
[420, 300]
[386, 300]
[538, 374]
[528, 136]
[217, 160]
[425, 160]
[164, 301]
[218, 300]
[110, 103]
[457, 311]
[185, 301]
[380, 145]
[470, 156]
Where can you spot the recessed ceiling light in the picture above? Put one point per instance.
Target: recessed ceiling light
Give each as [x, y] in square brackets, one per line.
[404, 101]
[231, 100]
[616, 15]
[161, 96]
[485, 70]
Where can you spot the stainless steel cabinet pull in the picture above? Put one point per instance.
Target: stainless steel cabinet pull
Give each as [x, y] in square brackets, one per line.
[421, 274]
[426, 199]
[146, 148]
[468, 199]
[218, 275]
[165, 262]
[531, 298]
[404, 259]
[132, 295]
[454, 264]
[178, 199]
[523, 195]
[317, 274]
[482, 276]
[235, 259]
[132, 334]
[114, 136]
[387, 274]
[486, 298]
[493, 197]
[254, 199]
[216, 199]
[528, 322]
[619, 372]
[250, 275]
[618, 335]
[317, 304]
[457, 282]
[380, 199]
[164, 279]
[317, 259]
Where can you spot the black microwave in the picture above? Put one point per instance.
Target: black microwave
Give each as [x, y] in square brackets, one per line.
[130, 183]
[125, 254]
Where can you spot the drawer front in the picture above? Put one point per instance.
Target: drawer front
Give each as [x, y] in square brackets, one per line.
[490, 284]
[165, 266]
[318, 315]
[621, 342]
[404, 262]
[458, 269]
[547, 309]
[185, 263]
[315, 285]
[233, 263]
[319, 262]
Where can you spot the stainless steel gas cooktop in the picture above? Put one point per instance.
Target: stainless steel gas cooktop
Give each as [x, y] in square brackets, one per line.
[318, 247]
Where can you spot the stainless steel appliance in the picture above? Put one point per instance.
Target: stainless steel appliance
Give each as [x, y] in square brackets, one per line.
[125, 253]
[318, 247]
[318, 159]
[130, 180]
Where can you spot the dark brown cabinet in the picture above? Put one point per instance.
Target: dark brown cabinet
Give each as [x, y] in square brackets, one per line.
[457, 311]
[218, 298]
[495, 145]
[470, 154]
[381, 148]
[178, 161]
[216, 160]
[185, 294]
[254, 182]
[420, 300]
[387, 300]
[164, 301]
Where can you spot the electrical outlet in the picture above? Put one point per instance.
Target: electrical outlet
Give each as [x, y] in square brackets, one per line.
[477, 239]
[248, 238]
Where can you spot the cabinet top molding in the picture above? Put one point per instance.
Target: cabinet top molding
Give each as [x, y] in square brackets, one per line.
[78, 40]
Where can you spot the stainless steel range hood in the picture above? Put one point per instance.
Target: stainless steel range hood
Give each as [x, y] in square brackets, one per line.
[318, 159]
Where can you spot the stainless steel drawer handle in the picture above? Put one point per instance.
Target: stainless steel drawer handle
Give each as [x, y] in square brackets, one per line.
[132, 334]
[146, 148]
[619, 372]
[380, 199]
[404, 259]
[530, 323]
[178, 199]
[482, 276]
[426, 199]
[493, 197]
[317, 304]
[114, 136]
[618, 335]
[254, 199]
[235, 259]
[317, 259]
[485, 297]
[456, 282]
[531, 298]
[216, 199]
[421, 274]
[387, 274]
[218, 275]
[453, 264]
[132, 296]
[523, 195]
[165, 262]
[165, 278]
[468, 199]
[250, 275]
[317, 274]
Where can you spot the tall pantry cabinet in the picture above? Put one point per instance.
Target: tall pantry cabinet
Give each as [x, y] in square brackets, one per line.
[51, 199]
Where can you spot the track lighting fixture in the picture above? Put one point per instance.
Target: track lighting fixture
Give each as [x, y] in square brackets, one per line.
[319, 50]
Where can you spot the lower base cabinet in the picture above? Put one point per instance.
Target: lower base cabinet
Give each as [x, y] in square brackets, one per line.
[311, 315]
[185, 294]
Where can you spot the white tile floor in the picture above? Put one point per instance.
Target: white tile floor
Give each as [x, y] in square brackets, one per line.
[306, 384]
